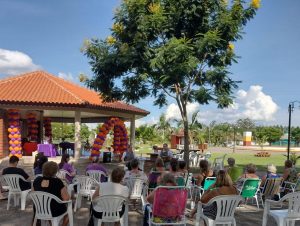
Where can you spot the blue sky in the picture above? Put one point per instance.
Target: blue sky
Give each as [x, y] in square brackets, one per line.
[48, 35]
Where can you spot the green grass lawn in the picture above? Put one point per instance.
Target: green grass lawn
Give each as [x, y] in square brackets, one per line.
[241, 159]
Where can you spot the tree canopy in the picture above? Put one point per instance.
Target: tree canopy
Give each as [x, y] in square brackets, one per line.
[170, 48]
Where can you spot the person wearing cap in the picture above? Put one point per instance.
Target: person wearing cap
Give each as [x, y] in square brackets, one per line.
[271, 173]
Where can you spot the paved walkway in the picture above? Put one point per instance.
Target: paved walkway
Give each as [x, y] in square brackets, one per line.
[245, 216]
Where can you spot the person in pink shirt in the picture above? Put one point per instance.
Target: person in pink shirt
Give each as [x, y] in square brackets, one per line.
[65, 165]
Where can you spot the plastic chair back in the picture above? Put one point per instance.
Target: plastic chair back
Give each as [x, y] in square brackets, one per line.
[250, 187]
[136, 186]
[85, 184]
[109, 206]
[294, 204]
[271, 187]
[226, 205]
[170, 202]
[42, 202]
[98, 175]
[61, 174]
[209, 181]
[13, 181]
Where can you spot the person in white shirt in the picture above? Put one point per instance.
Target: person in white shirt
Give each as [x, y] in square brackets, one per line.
[111, 188]
[135, 171]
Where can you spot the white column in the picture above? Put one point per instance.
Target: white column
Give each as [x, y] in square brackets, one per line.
[77, 134]
[132, 131]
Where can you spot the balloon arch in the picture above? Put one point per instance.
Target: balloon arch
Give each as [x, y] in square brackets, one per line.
[120, 141]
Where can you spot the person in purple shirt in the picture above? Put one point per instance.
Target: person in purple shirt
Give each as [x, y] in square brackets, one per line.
[95, 165]
[65, 165]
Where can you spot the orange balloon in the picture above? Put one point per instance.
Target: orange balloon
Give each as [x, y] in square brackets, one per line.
[16, 136]
[15, 130]
[16, 142]
[11, 148]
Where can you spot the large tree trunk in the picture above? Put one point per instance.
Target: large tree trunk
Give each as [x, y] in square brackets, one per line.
[186, 141]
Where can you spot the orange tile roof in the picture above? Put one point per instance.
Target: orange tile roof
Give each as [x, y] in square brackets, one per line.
[42, 88]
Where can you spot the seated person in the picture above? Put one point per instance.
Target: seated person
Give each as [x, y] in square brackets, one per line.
[52, 185]
[155, 149]
[290, 172]
[166, 154]
[111, 188]
[167, 179]
[233, 171]
[40, 163]
[271, 173]
[37, 158]
[127, 156]
[13, 169]
[95, 165]
[159, 165]
[65, 165]
[223, 186]
[182, 171]
[135, 172]
[250, 173]
[205, 171]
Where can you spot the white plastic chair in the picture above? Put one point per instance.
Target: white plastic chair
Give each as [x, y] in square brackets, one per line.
[110, 206]
[284, 216]
[42, 202]
[226, 205]
[96, 174]
[85, 186]
[218, 163]
[12, 180]
[61, 174]
[137, 189]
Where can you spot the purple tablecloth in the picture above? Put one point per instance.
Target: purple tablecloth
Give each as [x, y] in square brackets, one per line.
[48, 149]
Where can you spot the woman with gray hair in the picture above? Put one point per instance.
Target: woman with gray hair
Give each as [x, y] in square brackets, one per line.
[271, 173]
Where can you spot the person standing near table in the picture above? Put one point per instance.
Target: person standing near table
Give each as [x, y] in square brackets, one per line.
[166, 154]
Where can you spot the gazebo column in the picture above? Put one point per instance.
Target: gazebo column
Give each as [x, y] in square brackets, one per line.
[77, 134]
[41, 132]
[132, 131]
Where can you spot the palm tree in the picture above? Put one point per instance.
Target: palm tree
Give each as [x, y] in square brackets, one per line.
[194, 127]
[163, 126]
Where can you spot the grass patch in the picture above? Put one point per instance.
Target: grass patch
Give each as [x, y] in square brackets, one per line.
[241, 159]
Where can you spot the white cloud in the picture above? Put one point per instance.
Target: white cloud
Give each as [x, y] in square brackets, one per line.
[253, 103]
[67, 76]
[173, 111]
[256, 104]
[15, 62]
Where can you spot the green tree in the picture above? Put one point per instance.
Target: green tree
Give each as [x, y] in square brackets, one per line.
[145, 133]
[295, 135]
[245, 124]
[271, 133]
[67, 131]
[179, 49]
[164, 127]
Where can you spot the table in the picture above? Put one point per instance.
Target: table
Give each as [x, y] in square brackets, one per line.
[29, 147]
[48, 149]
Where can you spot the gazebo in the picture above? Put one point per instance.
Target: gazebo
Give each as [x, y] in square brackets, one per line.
[46, 96]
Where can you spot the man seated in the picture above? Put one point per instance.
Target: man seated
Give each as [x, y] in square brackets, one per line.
[135, 171]
[13, 169]
[233, 171]
[166, 154]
